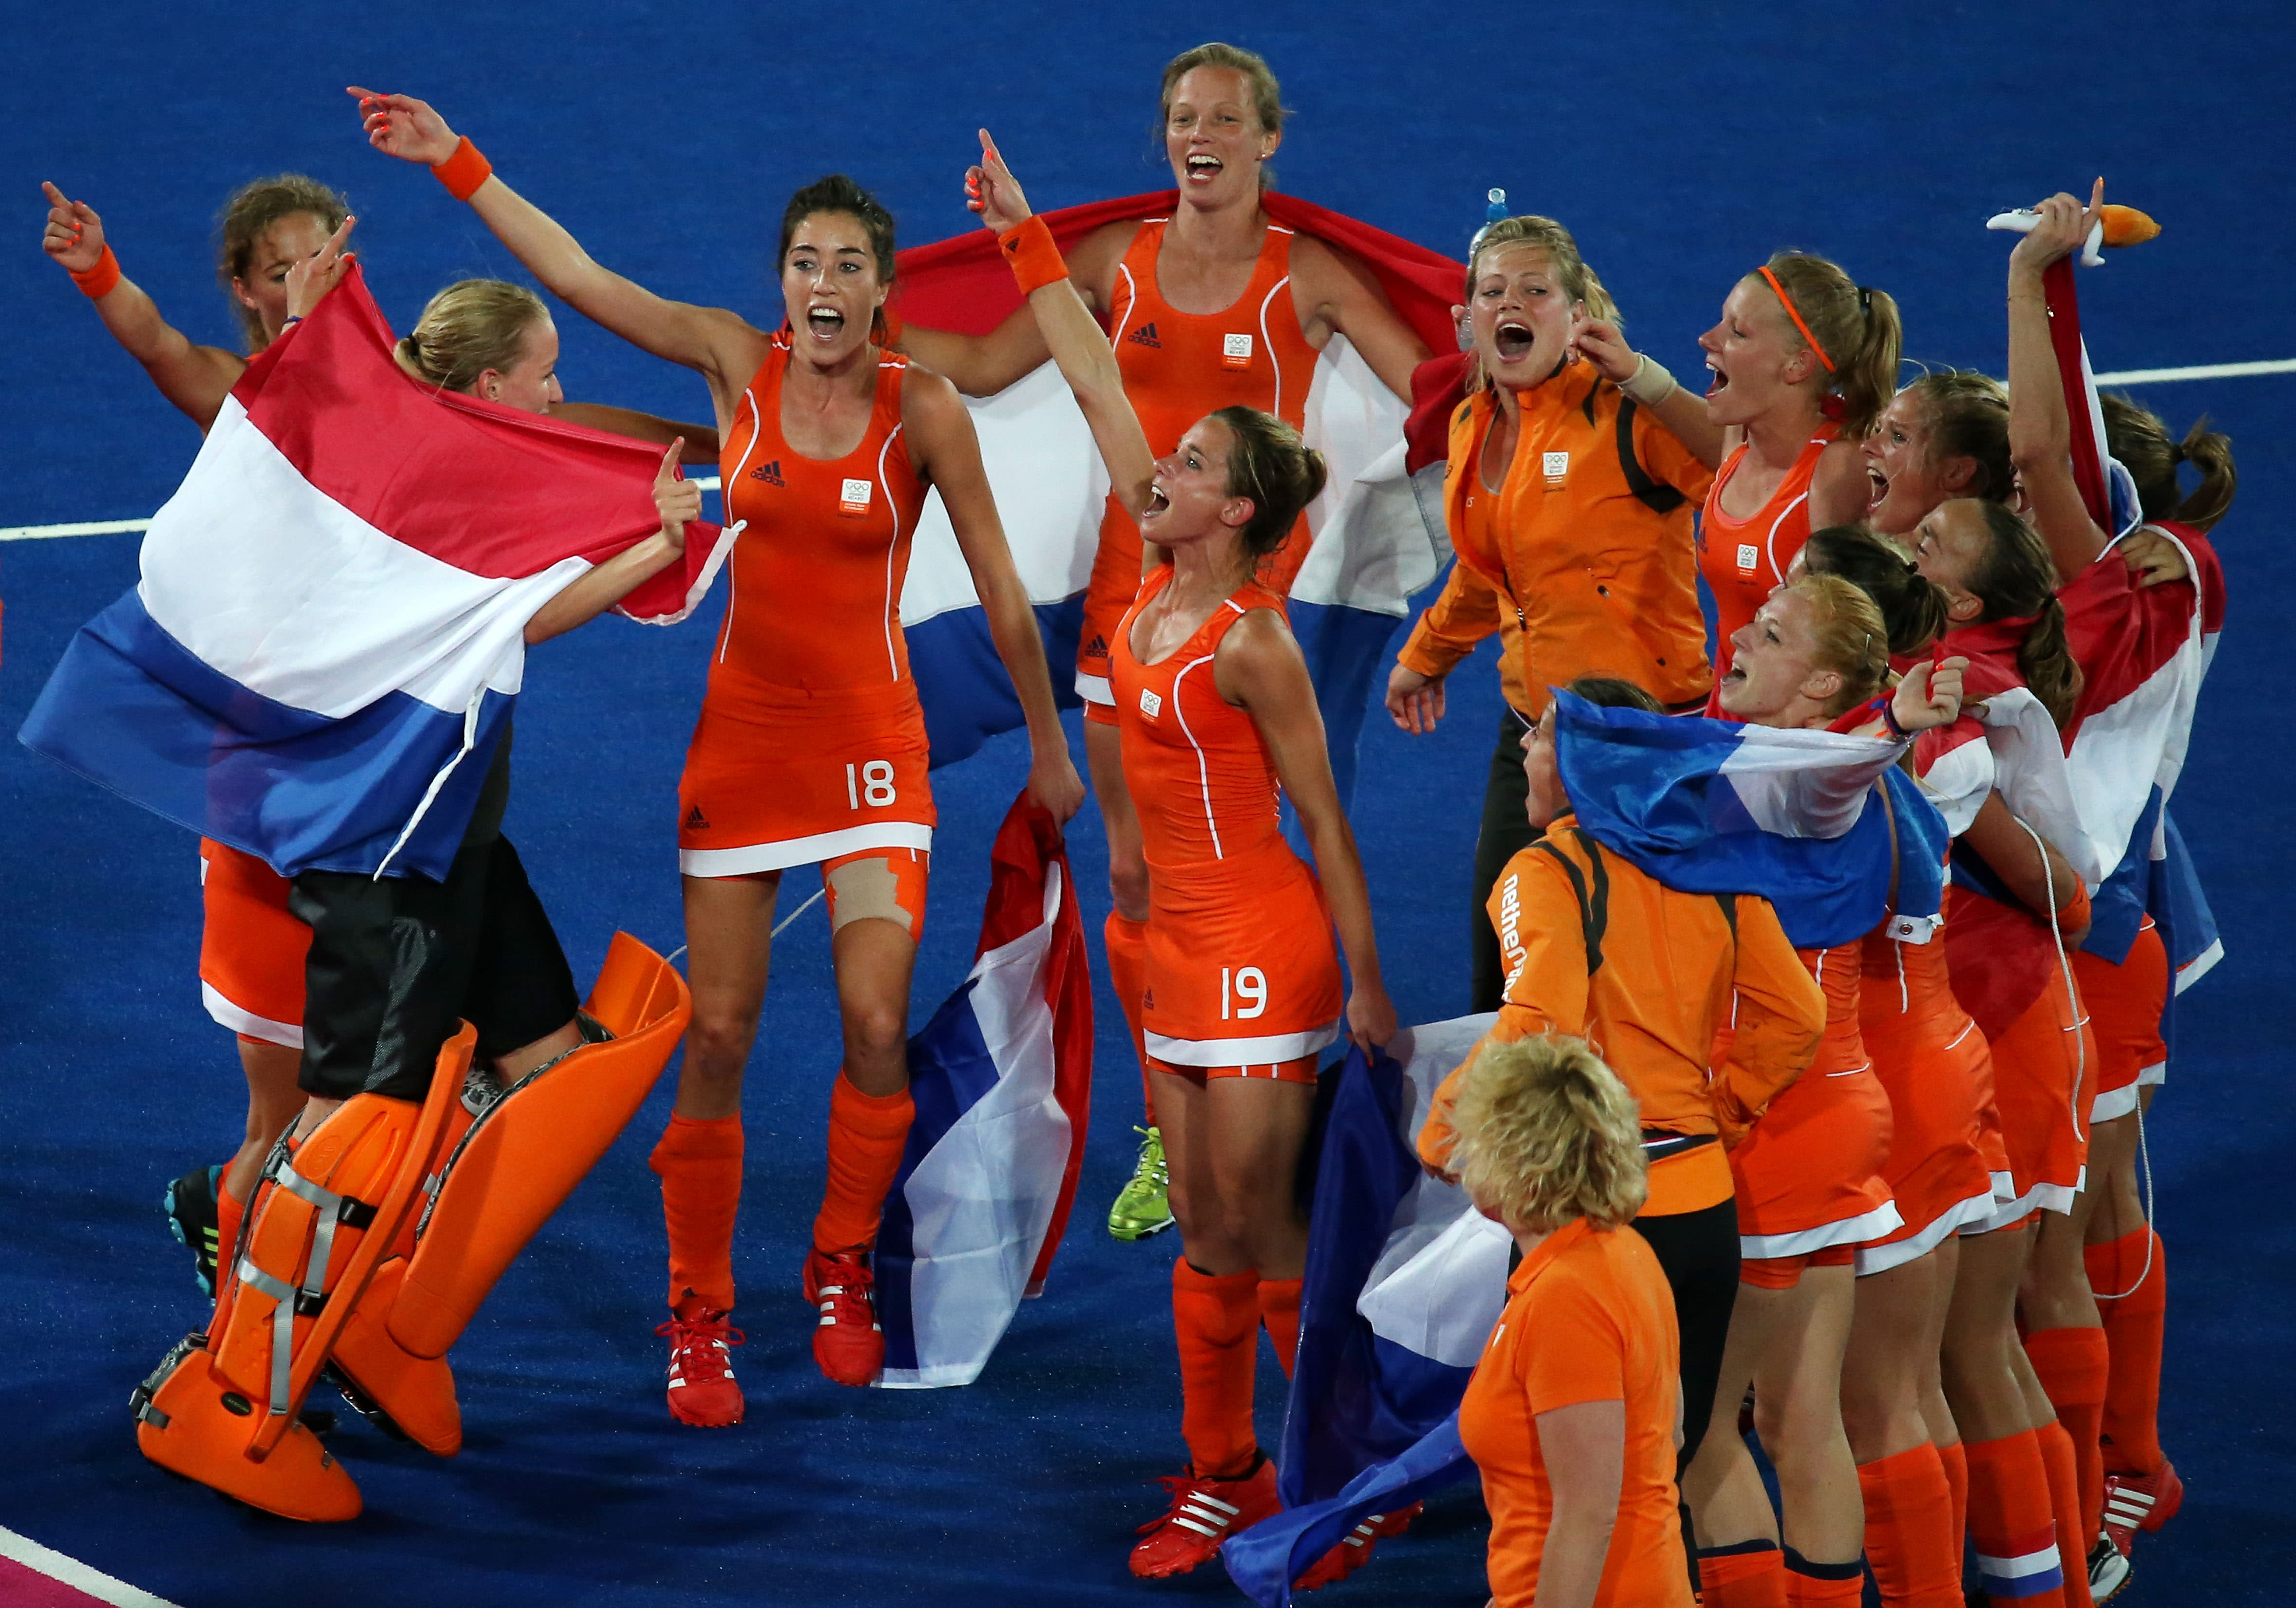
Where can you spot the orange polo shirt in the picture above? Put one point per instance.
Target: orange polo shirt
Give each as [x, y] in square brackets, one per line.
[1589, 1318]
[1658, 982]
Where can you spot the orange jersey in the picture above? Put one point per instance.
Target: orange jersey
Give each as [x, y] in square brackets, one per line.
[1589, 1317]
[1596, 948]
[1945, 1155]
[816, 600]
[1589, 541]
[1241, 967]
[1744, 561]
[811, 738]
[1177, 367]
[1809, 1172]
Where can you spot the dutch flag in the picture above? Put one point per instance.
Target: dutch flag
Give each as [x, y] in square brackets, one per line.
[1404, 1281]
[328, 636]
[1002, 1078]
[1379, 535]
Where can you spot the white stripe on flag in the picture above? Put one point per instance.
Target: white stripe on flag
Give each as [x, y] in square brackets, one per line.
[70, 1571]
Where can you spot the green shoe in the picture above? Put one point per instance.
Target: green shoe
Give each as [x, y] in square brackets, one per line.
[1143, 1205]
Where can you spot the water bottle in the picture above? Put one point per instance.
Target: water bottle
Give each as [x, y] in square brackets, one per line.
[1492, 214]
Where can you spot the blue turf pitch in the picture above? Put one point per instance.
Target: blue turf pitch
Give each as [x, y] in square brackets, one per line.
[1682, 145]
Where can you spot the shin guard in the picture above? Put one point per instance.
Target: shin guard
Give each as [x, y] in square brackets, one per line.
[223, 1409]
[518, 1159]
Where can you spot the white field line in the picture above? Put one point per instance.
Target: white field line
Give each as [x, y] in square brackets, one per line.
[34, 533]
[72, 1573]
[2206, 370]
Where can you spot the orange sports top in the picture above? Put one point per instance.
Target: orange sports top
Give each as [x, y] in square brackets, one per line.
[1647, 975]
[1589, 542]
[1468, 608]
[1200, 774]
[1744, 561]
[816, 598]
[1589, 1317]
[1179, 366]
[1842, 1048]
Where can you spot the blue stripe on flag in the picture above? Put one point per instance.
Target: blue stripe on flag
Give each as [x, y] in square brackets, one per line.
[950, 1069]
[1265, 1559]
[132, 708]
[2118, 907]
[967, 694]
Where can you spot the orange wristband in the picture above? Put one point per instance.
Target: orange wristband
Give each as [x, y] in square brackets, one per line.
[464, 171]
[101, 280]
[1035, 260]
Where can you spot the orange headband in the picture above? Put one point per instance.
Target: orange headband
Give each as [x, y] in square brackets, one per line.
[1795, 313]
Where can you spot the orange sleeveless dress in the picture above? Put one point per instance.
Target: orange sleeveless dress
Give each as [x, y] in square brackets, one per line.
[1243, 972]
[1809, 1173]
[1947, 1159]
[1744, 561]
[1177, 367]
[811, 744]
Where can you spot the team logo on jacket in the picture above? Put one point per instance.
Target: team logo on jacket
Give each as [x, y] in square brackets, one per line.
[1150, 705]
[1146, 335]
[770, 473]
[853, 498]
[1556, 467]
[1235, 350]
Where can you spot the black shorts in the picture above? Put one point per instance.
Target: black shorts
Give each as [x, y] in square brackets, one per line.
[396, 962]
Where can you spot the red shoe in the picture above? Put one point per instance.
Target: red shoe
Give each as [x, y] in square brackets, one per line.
[1204, 1514]
[1354, 1548]
[848, 1345]
[701, 1388]
[2134, 1502]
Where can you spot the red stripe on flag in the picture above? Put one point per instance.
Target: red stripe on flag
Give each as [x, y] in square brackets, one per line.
[492, 490]
[2064, 336]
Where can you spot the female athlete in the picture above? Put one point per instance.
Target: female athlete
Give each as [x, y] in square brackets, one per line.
[1218, 720]
[1217, 306]
[810, 749]
[1575, 468]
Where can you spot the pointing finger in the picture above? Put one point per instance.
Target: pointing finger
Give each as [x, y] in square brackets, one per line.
[55, 196]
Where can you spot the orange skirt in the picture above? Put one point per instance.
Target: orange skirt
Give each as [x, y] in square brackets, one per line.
[252, 950]
[2045, 1073]
[1945, 1137]
[2124, 1004]
[1241, 966]
[1809, 1171]
[779, 778]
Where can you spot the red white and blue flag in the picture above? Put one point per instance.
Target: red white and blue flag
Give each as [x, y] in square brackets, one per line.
[1002, 1078]
[328, 636]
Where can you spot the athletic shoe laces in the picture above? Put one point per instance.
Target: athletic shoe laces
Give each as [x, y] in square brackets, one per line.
[698, 1347]
[846, 1280]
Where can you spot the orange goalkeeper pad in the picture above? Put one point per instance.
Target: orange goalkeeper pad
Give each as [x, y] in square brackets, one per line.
[523, 1158]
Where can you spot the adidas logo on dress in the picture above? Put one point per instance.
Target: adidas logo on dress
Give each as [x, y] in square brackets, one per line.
[695, 821]
[770, 473]
[1146, 335]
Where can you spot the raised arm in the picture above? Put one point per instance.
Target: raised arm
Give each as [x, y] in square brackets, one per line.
[2040, 430]
[195, 378]
[603, 586]
[946, 452]
[1652, 388]
[700, 441]
[1333, 291]
[1075, 341]
[718, 343]
[980, 365]
[1259, 669]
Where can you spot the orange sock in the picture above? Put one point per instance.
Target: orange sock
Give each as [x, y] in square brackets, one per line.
[1957, 1479]
[1279, 1309]
[2130, 1428]
[1217, 1321]
[1752, 1575]
[868, 1134]
[2073, 1366]
[1128, 974]
[2073, 1540]
[699, 1164]
[1909, 1534]
[229, 1214]
[2011, 1524]
[1811, 1584]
